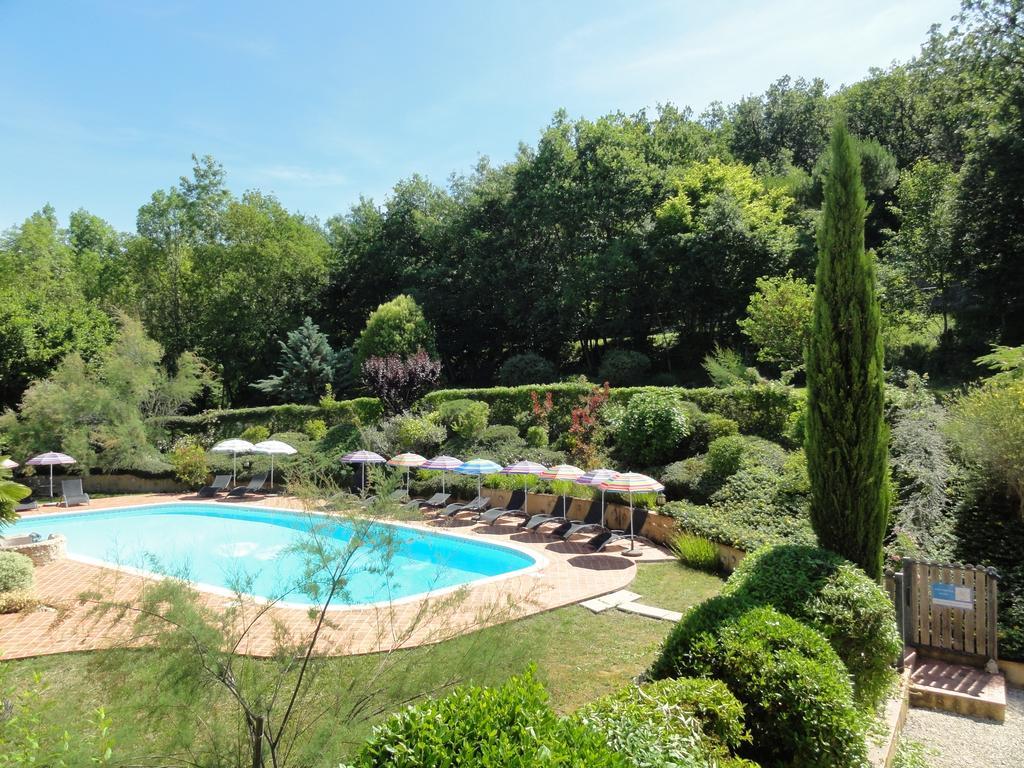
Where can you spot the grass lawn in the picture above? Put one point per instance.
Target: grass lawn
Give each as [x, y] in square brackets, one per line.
[578, 656]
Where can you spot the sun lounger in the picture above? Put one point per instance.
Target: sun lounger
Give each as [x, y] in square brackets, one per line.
[557, 515]
[256, 484]
[26, 504]
[72, 493]
[399, 496]
[479, 504]
[219, 484]
[436, 501]
[603, 539]
[590, 522]
[514, 508]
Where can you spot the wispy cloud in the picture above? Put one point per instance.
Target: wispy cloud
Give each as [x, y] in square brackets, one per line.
[303, 177]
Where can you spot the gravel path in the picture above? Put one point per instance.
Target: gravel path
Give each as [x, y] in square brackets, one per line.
[955, 741]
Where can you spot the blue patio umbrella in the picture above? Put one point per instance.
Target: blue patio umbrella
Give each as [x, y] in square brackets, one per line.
[479, 467]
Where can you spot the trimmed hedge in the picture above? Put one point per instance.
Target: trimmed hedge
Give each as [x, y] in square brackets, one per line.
[796, 695]
[760, 409]
[275, 418]
[503, 727]
[834, 596]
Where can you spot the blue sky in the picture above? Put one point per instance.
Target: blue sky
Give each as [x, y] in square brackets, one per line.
[104, 101]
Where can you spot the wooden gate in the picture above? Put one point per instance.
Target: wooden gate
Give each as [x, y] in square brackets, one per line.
[948, 610]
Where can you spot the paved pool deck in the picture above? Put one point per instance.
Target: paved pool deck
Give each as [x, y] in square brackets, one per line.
[72, 593]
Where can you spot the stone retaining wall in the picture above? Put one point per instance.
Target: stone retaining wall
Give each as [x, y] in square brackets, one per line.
[113, 483]
[39, 552]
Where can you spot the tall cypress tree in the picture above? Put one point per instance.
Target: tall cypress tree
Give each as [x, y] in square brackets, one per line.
[847, 438]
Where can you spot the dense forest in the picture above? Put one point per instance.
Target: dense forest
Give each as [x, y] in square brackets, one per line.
[647, 232]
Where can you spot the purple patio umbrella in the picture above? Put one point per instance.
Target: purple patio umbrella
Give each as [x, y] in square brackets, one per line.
[524, 468]
[363, 458]
[594, 478]
[49, 460]
[443, 463]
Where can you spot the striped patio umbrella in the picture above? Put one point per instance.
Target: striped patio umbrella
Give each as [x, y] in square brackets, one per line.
[631, 482]
[49, 460]
[479, 467]
[562, 472]
[524, 468]
[594, 478]
[363, 458]
[409, 461]
[443, 463]
[234, 447]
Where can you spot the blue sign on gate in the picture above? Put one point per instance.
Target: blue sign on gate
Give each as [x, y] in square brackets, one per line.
[952, 596]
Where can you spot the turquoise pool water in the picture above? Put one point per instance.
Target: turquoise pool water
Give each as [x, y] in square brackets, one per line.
[224, 545]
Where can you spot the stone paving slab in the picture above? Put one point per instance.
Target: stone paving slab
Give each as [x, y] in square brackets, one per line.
[613, 600]
[650, 611]
[571, 573]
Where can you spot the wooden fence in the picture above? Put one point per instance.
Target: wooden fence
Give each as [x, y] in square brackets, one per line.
[947, 610]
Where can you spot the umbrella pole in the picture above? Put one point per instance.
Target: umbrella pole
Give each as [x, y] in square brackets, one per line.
[271, 473]
[234, 477]
[362, 484]
[526, 497]
[602, 508]
[631, 521]
[51, 481]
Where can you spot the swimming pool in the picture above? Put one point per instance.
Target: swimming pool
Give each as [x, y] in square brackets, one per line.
[221, 546]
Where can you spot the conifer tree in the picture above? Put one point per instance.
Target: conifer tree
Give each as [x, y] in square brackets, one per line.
[308, 365]
[847, 438]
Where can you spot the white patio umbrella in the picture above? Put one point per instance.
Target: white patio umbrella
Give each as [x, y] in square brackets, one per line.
[443, 463]
[363, 458]
[234, 447]
[409, 461]
[594, 478]
[631, 482]
[49, 460]
[273, 448]
[524, 468]
[8, 464]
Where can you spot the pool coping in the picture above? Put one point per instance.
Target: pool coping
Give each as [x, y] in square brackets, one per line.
[538, 561]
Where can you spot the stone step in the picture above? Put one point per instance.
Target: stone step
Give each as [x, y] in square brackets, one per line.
[958, 688]
[650, 611]
[611, 600]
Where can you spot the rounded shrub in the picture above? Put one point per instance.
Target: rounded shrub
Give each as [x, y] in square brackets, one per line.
[188, 459]
[686, 722]
[652, 428]
[415, 433]
[835, 597]
[396, 327]
[527, 368]
[315, 429]
[796, 695]
[624, 368]
[536, 436]
[465, 419]
[682, 479]
[704, 618]
[16, 572]
[502, 727]
[257, 433]
[729, 454]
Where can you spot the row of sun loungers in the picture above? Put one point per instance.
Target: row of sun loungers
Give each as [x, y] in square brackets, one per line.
[555, 523]
[71, 491]
[220, 485]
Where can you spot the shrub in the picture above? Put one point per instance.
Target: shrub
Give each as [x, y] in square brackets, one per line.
[316, 429]
[695, 551]
[527, 368]
[399, 381]
[255, 434]
[408, 432]
[652, 428]
[727, 455]
[624, 368]
[16, 572]
[396, 328]
[465, 419]
[708, 428]
[17, 602]
[835, 597]
[797, 698]
[189, 462]
[503, 727]
[536, 437]
[685, 722]
[682, 479]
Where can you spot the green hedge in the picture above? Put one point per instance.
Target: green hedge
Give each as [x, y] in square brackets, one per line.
[276, 418]
[762, 409]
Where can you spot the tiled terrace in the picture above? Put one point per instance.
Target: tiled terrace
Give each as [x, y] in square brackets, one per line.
[571, 573]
